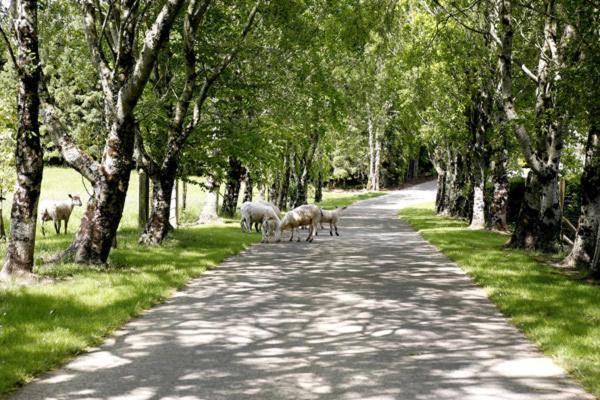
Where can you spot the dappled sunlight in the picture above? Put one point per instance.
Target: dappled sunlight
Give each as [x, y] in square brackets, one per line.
[372, 314]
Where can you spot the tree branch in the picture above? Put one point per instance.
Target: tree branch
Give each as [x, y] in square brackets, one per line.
[73, 155]
[10, 49]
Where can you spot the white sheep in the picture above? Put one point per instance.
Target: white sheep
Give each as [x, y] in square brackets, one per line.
[57, 211]
[254, 212]
[331, 216]
[307, 214]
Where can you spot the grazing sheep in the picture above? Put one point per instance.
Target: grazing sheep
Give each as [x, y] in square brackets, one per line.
[331, 216]
[268, 204]
[57, 211]
[308, 214]
[255, 212]
[269, 227]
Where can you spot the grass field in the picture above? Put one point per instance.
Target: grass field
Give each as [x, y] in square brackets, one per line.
[557, 311]
[42, 326]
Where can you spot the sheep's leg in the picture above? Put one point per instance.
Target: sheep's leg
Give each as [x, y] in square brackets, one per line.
[336, 232]
[43, 228]
[292, 235]
[66, 223]
[57, 227]
[311, 231]
[331, 229]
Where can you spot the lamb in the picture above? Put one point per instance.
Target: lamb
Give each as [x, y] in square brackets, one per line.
[331, 216]
[307, 214]
[256, 212]
[57, 211]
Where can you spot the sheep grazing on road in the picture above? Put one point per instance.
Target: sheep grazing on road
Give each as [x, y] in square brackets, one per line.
[308, 214]
[333, 217]
[57, 211]
[254, 212]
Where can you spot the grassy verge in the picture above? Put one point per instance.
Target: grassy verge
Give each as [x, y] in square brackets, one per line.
[342, 199]
[560, 314]
[43, 326]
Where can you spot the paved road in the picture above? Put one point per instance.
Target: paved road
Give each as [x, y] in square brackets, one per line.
[374, 314]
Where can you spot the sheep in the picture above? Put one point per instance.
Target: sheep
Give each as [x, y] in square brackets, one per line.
[307, 214]
[269, 204]
[331, 216]
[269, 227]
[255, 212]
[57, 211]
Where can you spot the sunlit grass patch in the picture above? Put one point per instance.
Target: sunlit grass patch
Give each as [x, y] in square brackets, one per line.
[342, 199]
[559, 313]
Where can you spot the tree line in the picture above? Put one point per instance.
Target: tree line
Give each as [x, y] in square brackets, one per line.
[293, 96]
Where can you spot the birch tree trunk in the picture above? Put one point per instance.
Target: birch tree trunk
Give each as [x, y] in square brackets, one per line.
[143, 198]
[551, 124]
[248, 187]
[499, 202]
[209, 213]
[371, 133]
[159, 223]
[2, 230]
[306, 163]
[586, 239]
[282, 199]
[174, 206]
[232, 187]
[29, 154]
[319, 188]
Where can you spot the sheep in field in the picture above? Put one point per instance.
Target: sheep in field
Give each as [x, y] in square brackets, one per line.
[57, 211]
[307, 214]
[331, 216]
[255, 213]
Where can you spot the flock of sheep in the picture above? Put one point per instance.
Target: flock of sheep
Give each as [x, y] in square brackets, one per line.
[266, 215]
[262, 214]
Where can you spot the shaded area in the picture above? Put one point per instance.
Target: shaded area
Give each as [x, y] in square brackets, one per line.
[555, 308]
[374, 314]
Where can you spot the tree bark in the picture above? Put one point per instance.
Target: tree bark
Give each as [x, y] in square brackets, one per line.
[232, 187]
[526, 233]
[499, 202]
[248, 187]
[29, 154]
[305, 164]
[319, 188]
[282, 199]
[143, 198]
[2, 230]
[158, 226]
[209, 214]
[586, 239]
[174, 205]
[184, 196]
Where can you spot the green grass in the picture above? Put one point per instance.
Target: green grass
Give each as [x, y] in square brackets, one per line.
[557, 311]
[342, 199]
[42, 326]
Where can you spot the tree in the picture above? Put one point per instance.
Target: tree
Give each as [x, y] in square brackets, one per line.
[29, 155]
[123, 78]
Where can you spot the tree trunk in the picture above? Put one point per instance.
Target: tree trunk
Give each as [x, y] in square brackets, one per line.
[29, 154]
[376, 164]
[371, 151]
[144, 198]
[500, 193]
[174, 206]
[527, 229]
[319, 188]
[550, 122]
[209, 213]
[158, 226]
[282, 199]
[184, 195]
[232, 187]
[248, 187]
[586, 239]
[306, 163]
[459, 188]
[2, 230]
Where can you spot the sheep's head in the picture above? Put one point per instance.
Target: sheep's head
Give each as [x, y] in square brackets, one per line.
[76, 200]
